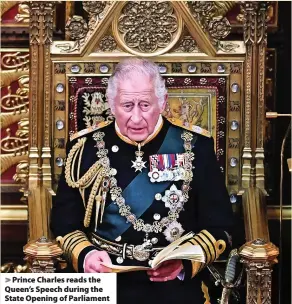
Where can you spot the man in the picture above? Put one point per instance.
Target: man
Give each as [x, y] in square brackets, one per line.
[135, 185]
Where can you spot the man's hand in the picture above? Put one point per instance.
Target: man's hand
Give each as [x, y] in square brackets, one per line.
[93, 262]
[167, 271]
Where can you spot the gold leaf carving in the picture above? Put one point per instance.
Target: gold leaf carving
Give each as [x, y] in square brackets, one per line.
[148, 27]
[11, 75]
[107, 44]
[18, 102]
[23, 13]
[9, 160]
[211, 16]
[9, 118]
[188, 45]
[15, 61]
[21, 176]
[18, 144]
[15, 147]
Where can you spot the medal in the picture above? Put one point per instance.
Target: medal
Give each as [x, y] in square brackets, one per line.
[166, 167]
[138, 164]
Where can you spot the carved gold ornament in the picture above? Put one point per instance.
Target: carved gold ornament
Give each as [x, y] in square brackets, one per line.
[15, 61]
[107, 44]
[23, 13]
[18, 102]
[94, 7]
[14, 147]
[96, 11]
[147, 27]
[219, 28]
[188, 45]
[211, 16]
[77, 27]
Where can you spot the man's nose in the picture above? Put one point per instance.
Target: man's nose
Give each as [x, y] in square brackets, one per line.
[136, 115]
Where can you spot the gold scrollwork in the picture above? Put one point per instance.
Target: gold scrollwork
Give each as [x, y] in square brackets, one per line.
[7, 77]
[17, 103]
[15, 61]
[17, 144]
[15, 148]
[21, 176]
[9, 160]
[23, 13]
[147, 28]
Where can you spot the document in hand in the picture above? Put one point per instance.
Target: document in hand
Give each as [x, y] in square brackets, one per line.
[180, 249]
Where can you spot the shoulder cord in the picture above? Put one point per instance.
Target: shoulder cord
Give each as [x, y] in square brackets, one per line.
[94, 174]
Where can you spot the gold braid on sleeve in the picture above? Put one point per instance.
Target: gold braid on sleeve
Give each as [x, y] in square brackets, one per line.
[94, 175]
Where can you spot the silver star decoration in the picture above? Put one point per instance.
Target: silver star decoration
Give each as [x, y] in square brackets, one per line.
[138, 164]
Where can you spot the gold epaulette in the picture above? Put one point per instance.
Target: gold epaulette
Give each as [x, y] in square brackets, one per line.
[90, 129]
[189, 127]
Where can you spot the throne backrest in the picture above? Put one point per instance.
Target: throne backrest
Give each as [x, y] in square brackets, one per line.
[210, 101]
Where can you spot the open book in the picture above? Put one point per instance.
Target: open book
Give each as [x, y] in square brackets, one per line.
[174, 251]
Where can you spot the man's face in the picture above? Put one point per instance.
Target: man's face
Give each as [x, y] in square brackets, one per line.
[136, 107]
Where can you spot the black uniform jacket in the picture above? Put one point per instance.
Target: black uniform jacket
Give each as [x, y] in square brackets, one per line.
[208, 208]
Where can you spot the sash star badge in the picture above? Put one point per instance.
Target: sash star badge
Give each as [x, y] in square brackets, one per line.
[173, 231]
[173, 198]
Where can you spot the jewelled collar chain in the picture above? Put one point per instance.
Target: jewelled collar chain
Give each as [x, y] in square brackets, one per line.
[125, 210]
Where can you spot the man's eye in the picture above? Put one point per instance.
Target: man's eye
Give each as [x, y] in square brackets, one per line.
[144, 105]
[127, 106]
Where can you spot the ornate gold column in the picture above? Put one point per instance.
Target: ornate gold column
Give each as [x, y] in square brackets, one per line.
[259, 257]
[260, 121]
[255, 38]
[250, 21]
[39, 183]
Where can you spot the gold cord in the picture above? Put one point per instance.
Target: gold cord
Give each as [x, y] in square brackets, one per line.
[94, 175]
[89, 208]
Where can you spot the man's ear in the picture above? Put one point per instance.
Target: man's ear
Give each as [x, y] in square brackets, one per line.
[164, 103]
[111, 105]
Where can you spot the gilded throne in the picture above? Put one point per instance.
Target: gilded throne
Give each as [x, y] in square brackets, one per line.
[210, 78]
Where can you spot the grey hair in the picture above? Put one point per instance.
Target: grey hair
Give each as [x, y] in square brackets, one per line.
[126, 68]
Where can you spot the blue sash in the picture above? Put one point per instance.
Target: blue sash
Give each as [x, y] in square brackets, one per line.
[139, 194]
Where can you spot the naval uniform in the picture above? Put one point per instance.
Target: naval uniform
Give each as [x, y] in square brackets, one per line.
[207, 209]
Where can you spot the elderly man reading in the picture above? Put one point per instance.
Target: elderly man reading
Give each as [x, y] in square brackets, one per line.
[135, 185]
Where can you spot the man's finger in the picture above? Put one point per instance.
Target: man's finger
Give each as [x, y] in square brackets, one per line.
[162, 279]
[104, 257]
[164, 271]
